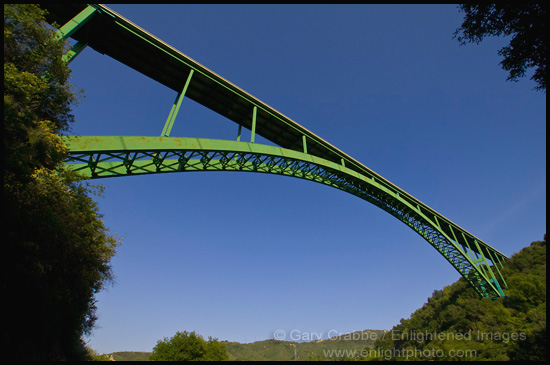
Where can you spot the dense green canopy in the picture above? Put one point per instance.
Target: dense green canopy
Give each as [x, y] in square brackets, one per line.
[456, 324]
[189, 346]
[56, 248]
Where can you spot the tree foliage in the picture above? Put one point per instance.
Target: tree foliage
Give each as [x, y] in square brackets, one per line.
[524, 21]
[189, 346]
[456, 324]
[56, 248]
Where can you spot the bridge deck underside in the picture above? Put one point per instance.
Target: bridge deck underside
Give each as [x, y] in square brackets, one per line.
[143, 52]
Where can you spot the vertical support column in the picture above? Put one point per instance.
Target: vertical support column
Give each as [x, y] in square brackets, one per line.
[458, 245]
[74, 51]
[499, 262]
[169, 120]
[239, 133]
[491, 274]
[495, 266]
[304, 143]
[253, 130]
[175, 108]
[468, 245]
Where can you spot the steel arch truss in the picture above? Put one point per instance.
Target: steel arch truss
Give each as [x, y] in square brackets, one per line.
[301, 154]
[111, 156]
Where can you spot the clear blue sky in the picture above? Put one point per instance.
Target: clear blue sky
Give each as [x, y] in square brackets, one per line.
[238, 256]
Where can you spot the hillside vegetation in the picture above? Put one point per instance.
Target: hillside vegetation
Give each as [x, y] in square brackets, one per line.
[456, 324]
[334, 348]
[131, 356]
[273, 350]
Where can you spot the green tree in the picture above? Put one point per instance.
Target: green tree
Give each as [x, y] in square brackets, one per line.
[95, 356]
[456, 324]
[56, 248]
[524, 21]
[189, 346]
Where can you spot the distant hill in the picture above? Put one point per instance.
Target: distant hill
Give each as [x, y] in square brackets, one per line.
[131, 356]
[329, 349]
[273, 350]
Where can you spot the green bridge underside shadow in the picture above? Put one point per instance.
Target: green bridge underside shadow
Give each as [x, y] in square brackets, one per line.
[111, 156]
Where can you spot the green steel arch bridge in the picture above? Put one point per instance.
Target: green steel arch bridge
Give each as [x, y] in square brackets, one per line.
[298, 152]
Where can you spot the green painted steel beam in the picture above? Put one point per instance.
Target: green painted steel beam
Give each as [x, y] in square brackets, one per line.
[74, 51]
[75, 23]
[175, 108]
[253, 129]
[111, 156]
[239, 133]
